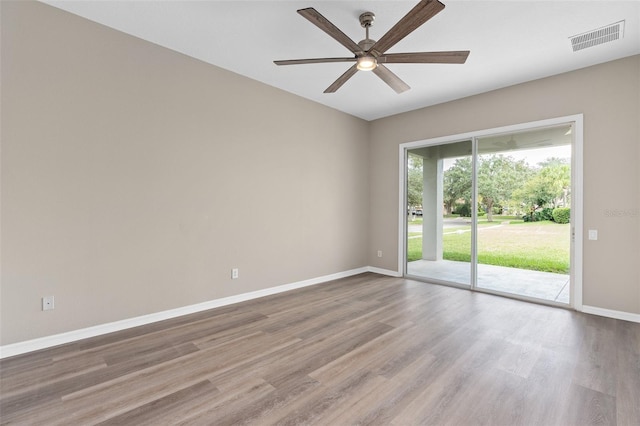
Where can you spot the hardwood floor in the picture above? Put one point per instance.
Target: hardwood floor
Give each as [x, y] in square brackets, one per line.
[362, 350]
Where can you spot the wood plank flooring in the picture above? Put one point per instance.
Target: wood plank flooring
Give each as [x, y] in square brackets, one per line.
[362, 350]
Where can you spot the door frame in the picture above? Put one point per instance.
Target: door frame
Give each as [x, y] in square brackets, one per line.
[577, 121]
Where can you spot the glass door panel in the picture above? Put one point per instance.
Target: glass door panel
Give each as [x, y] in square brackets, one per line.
[523, 202]
[439, 223]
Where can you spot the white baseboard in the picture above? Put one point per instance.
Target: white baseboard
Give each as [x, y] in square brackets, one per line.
[384, 271]
[610, 313]
[84, 333]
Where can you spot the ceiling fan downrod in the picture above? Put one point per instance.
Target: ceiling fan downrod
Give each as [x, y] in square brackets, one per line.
[367, 62]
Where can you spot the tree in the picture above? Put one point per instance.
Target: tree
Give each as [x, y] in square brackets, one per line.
[457, 183]
[498, 177]
[549, 187]
[415, 181]
[556, 176]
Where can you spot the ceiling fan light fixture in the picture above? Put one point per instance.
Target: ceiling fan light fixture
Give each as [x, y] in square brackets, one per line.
[367, 63]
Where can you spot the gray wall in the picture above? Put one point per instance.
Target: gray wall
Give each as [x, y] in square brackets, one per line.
[609, 97]
[134, 178]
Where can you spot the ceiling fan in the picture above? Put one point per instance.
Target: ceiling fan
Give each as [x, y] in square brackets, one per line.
[369, 55]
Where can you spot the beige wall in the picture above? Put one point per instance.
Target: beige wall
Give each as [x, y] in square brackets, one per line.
[609, 97]
[134, 178]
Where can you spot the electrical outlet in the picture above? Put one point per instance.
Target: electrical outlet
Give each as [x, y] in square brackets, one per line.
[234, 273]
[48, 303]
[593, 234]
[379, 253]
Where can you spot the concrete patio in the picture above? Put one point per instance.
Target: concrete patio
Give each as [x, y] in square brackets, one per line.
[534, 284]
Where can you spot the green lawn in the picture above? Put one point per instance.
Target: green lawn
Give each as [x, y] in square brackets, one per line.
[539, 246]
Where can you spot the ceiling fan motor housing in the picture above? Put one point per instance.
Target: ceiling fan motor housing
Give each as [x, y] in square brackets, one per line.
[366, 44]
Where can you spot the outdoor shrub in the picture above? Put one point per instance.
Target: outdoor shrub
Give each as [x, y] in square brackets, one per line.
[545, 214]
[464, 210]
[539, 215]
[561, 214]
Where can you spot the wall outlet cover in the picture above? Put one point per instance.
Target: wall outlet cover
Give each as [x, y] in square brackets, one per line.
[48, 303]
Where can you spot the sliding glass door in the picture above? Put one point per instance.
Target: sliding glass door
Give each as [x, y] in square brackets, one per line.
[493, 213]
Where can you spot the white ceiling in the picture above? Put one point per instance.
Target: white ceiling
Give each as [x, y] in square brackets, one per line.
[510, 42]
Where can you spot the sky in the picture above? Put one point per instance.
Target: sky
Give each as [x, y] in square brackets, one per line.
[535, 156]
[531, 156]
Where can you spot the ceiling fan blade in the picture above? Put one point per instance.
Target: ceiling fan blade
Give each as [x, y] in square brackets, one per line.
[391, 79]
[313, 61]
[452, 57]
[341, 80]
[325, 25]
[417, 16]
